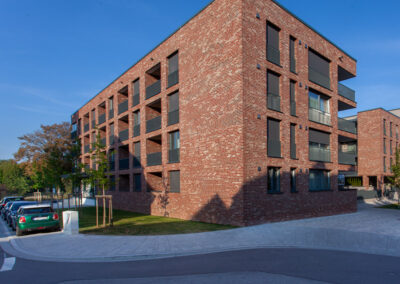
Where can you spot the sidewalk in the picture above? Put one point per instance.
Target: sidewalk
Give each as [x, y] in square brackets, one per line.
[370, 230]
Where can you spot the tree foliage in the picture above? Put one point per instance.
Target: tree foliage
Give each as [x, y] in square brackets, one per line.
[13, 177]
[395, 179]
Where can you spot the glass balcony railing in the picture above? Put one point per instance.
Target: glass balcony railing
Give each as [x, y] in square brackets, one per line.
[154, 159]
[102, 118]
[319, 154]
[347, 158]
[319, 116]
[273, 55]
[123, 107]
[173, 117]
[173, 156]
[153, 124]
[274, 102]
[346, 92]
[173, 78]
[123, 135]
[153, 89]
[124, 164]
[347, 125]
[135, 100]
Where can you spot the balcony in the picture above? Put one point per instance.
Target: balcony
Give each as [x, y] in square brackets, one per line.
[111, 165]
[293, 151]
[319, 154]
[318, 78]
[274, 102]
[124, 164]
[273, 55]
[74, 135]
[153, 124]
[346, 92]
[136, 162]
[102, 118]
[153, 89]
[173, 156]
[154, 159]
[103, 142]
[123, 107]
[136, 130]
[292, 65]
[274, 148]
[347, 158]
[86, 127]
[93, 123]
[347, 125]
[111, 139]
[319, 116]
[123, 135]
[111, 114]
[86, 149]
[173, 117]
[135, 100]
[293, 108]
[173, 78]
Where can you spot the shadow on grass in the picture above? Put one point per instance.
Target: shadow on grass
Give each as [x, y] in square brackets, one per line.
[391, 206]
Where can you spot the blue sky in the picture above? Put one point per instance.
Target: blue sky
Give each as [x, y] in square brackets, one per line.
[56, 55]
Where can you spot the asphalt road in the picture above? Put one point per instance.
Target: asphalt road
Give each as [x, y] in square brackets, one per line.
[247, 266]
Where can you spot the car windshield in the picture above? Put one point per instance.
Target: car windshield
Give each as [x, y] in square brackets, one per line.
[37, 210]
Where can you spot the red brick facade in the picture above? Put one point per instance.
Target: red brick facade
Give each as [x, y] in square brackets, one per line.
[223, 121]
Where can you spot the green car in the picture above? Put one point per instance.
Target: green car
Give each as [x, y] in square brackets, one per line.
[36, 218]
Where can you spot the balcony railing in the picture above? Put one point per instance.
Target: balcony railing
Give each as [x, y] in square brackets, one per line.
[319, 154]
[124, 164]
[173, 156]
[153, 89]
[153, 124]
[346, 92]
[111, 164]
[111, 139]
[274, 102]
[136, 162]
[293, 151]
[347, 158]
[111, 114]
[292, 65]
[123, 107]
[102, 118]
[135, 100]
[319, 116]
[274, 148]
[347, 125]
[173, 117]
[93, 123]
[318, 78]
[136, 130]
[86, 127]
[273, 55]
[293, 108]
[154, 159]
[86, 149]
[123, 135]
[173, 78]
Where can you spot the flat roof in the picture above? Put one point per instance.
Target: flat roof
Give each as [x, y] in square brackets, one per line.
[212, 1]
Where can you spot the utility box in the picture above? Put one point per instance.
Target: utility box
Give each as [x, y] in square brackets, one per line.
[71, 222]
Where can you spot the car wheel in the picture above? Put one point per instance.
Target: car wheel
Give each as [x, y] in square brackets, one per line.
[18, 232]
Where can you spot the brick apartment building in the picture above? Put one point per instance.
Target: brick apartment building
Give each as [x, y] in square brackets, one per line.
[232, 119]
[377, 141]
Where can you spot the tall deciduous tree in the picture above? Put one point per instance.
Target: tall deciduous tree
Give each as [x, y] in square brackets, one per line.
[395, 179]
[13, 177]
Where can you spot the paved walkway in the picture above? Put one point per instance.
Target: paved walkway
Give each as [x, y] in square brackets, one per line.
[370, 230]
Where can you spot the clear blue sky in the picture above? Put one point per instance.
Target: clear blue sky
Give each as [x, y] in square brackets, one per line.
[55, 55]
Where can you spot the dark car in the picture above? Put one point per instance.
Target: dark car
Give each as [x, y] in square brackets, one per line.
[7, 199]
[5, 209]
[12, 212]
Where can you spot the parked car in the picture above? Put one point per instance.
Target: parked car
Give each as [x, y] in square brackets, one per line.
[5, 209]
[36, 218]
[12, 212]
[6, 199]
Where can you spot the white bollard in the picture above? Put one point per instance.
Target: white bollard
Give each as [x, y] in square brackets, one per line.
[71, 222]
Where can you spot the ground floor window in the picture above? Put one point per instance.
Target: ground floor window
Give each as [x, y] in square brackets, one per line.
[293, 186]
[319, 180]
[274, 180]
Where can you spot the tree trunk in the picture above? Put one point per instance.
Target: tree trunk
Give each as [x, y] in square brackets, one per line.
[104, 208]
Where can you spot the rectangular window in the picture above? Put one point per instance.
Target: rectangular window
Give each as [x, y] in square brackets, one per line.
[273, 138]
[384, 164]
[111, 136]
[384, 145]
[318, 69]
[136, 123]
[136, 92]
[391, 147]
[273, 95]
[173, 108]
[319, 180]
[274, 180]
[136, 155]
[391, 164]
[93, 118]
[175, 181]
[273, 53]
[292, 44]
[293, 141]
[111, 108]
[173, 69]
[391, 130]
[293, 180]
[174, 146]
[319, 146]
[384, 127]
[112, 183]
[319, 108]
[292, 98]
[397, 132]
[137, 182]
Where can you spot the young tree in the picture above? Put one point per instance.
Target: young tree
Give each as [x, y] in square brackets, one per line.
[98, 176]
[395, 179]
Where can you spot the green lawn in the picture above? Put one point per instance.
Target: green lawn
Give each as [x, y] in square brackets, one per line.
[129, 223]
[391, 206]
